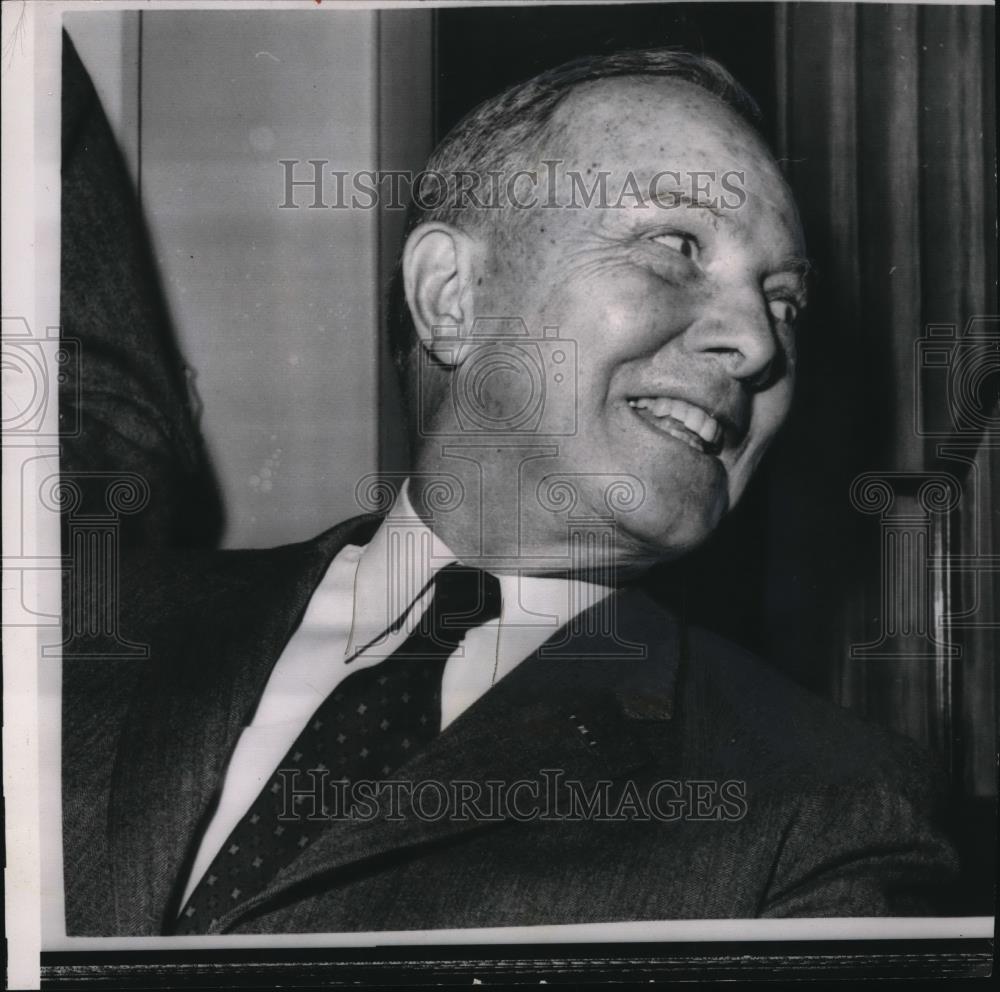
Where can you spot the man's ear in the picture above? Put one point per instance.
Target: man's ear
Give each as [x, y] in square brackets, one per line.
[438, 262]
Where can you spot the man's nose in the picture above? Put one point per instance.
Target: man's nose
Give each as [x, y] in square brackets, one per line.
[736, 329]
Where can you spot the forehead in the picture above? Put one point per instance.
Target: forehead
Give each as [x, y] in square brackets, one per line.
[644, 115]
[643, 126]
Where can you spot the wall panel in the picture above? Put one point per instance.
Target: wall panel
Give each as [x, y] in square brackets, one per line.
[276, 309]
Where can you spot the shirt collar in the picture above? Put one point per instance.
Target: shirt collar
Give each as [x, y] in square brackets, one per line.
[393, 570]
[404, 555]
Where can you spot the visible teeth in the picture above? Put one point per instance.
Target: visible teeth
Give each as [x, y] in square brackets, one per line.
[692, 417]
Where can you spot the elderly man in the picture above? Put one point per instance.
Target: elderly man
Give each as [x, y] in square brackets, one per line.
[467, 711]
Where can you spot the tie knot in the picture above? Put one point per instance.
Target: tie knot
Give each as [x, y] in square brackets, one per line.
[464, 598]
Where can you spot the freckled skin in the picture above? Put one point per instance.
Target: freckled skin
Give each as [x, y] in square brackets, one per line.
[659, 302]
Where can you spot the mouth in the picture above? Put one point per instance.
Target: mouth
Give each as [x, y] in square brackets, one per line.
[684, 421]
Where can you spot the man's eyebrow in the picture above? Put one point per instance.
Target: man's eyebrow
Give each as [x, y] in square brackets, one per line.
[798, 266]
[676, 198]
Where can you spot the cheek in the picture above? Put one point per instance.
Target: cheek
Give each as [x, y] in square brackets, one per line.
[769, 414]
[780, 403]
[500, 389]
[618, 316]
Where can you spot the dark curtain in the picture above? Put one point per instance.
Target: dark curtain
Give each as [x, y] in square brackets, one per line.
[886, 119]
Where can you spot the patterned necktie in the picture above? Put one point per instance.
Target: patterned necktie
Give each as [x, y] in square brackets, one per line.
[371, 724]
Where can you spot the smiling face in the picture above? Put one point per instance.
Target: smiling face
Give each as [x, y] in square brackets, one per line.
[681, 313]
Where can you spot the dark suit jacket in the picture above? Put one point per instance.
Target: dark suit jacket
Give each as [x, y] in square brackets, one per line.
[839, 817]
[124, 401]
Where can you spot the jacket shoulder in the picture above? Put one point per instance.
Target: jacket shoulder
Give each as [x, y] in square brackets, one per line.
[752, 718]
[163, 593]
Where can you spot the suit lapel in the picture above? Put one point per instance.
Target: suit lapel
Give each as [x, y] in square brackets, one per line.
[201, 687]
[573, 706]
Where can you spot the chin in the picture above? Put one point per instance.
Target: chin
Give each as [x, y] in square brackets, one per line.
[667, 537]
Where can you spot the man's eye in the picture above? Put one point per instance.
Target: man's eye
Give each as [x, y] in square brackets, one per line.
[783, 311]
[686, 244]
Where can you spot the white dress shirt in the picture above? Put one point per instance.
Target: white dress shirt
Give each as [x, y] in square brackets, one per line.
[364, 592]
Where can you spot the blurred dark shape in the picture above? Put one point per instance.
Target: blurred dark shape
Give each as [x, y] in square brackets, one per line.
[130, 393]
